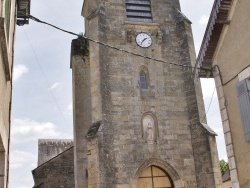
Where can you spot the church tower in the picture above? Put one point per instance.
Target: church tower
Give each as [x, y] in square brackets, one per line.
[139, 122]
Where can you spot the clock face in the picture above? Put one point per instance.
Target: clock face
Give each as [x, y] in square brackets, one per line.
[143, 40]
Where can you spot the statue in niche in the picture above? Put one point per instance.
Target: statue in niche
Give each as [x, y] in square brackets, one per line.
[149, 128]
[150, 132]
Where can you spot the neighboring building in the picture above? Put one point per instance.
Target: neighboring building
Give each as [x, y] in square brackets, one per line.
[148, 116]
[225, 50]
[55, 164]
[7, 33]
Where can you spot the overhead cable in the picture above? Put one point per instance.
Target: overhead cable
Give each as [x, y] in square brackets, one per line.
[209, 104]
[114, 47]
[46, 80]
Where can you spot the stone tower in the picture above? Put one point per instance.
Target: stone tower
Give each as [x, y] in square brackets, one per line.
[138, 123]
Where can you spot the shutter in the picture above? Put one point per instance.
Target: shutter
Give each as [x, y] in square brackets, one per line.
[7, 17]
[244, 104]
[139, 10]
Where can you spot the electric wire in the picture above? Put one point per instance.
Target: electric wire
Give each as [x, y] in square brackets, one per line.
[126, 51]
[214, 112]
[209, 105]
[227, 82]
[133, 53]
[114, 47]
[46, 79]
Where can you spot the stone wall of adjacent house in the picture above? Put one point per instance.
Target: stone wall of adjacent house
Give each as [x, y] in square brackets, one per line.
[232, 61]
[6, 67]
[49, 148]
[57, 172]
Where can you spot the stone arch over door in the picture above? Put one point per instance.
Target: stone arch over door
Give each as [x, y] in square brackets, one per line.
[154, 177]
[165, 167]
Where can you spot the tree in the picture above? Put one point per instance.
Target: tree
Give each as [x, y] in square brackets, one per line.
[223, 166]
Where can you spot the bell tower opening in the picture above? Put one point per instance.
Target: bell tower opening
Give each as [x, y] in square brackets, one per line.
[139, 11]
[154, 177]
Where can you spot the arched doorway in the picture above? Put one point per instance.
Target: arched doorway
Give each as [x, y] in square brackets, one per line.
[154, 177]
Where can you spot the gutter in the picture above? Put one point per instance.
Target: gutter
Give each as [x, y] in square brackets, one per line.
[218, 18]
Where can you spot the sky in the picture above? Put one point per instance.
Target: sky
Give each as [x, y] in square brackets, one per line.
[42, 88]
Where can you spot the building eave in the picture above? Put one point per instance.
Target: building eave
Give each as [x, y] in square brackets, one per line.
[218, 18]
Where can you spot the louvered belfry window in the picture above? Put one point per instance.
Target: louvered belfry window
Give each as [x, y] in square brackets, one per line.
[139, 10]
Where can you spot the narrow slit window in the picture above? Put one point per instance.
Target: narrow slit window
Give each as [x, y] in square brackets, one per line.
[139, 10]
[143, 80]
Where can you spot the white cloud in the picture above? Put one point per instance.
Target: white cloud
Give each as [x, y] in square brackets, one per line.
[203, 20]
[25, 130]
[20, 159]
[19, 70]
[54, 86]
[21, 165]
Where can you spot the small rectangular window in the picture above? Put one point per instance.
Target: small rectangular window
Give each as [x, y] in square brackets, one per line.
[243, 89]
[139, 10]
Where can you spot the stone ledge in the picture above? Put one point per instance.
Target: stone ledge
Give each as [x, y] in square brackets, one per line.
[141, 23]
[209, 130]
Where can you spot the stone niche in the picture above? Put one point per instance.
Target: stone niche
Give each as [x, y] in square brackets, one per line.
[149, 128]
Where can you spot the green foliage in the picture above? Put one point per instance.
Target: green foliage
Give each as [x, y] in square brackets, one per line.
[80, 46]
[223, 166]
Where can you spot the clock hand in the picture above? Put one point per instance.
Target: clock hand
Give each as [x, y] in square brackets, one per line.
[143, 40]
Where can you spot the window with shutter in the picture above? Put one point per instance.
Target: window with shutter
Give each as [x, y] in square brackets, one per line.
[243, 90]
[7, 16]
[139, 10]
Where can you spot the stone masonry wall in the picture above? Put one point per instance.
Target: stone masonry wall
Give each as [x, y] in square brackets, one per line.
[58, 172]
[170, 99]
[207, 169]
[49, 148]
[81, 107]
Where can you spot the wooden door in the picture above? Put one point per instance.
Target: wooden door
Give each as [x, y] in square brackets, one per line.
[154, 177]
